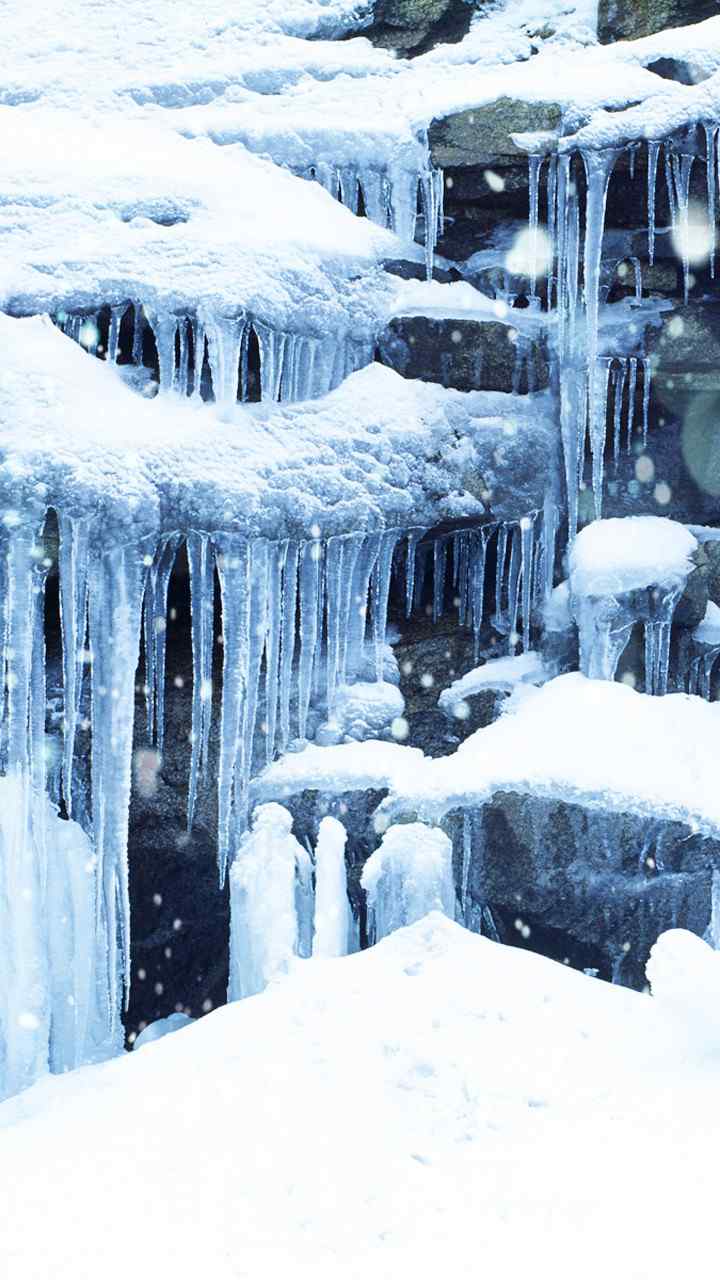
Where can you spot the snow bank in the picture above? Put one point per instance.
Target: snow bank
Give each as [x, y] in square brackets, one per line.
[355, 1117]
[614, 557]
[378, 452]
[684, 976]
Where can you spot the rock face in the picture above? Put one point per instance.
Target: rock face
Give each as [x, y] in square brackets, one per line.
[464, 354]
[595, 887]
[483, 135]
[414, 26]
[632, 19]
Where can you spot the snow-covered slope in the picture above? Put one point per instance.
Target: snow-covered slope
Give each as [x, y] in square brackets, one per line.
[492, 1110]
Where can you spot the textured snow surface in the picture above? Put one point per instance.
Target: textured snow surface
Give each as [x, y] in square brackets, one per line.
[612, 557]
[378, 451]
[386, 1113]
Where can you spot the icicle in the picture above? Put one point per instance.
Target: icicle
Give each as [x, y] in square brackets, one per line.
[278, 554]
[272, 349]
[681, 172]
[332, 909]
[599, 166]
[349, 187]
[115, 592]
[164, 326]
[138, 332]
[439, 573]
[653, 151]
[535, 163]
[647, 382]
[712, 132]
[233, 565]
[466, 863]
[116, 315]
[259, 570]
[657, 639]
[202, 609]
[310, 579]
[478, 586]
[73, 562]
[354, 651]
[513, 588]
[631, 400]
[198, 337]
[632, 163]
[287, 643]
[155, 620]
[619, 378]
[552, 214]
[527, 535]
[551, 521]
[374, 192]
[404, 195]
[181, 374]
[413, 538]
[380, 593]
[604, 627]
[637, 270]
[335, 577]
[500, 565]
[225, 339]
[432, 188]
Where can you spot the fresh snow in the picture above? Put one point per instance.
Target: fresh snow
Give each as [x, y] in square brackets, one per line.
[614, 557]
[406, 1110]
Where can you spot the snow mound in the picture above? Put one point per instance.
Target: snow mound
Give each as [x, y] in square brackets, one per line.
[708, 631]
[435, 1079]
[684, 976]
[614, 557]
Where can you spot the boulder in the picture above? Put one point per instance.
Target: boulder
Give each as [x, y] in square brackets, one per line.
[632, 19]
[467, 355]
[482, 135]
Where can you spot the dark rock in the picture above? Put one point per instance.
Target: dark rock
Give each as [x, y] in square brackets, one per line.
[412, 27]
[481, 135]
[632, 19]
[672, 69]
[464, 354]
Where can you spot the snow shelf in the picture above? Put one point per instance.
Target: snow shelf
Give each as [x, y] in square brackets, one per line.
[355, 1117]
[560, 742]
[379, 452]
[614, 557]
[115, 210]
[503, 674]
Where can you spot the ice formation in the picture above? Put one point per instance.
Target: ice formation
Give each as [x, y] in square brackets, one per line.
[158, 234]
[409, 875]
[271, 903]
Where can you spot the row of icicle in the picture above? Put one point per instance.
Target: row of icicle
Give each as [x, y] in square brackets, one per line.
[293, 366]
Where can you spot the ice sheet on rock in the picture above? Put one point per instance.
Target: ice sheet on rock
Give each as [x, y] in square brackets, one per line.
[365, 456]
[622, 555]
[408, 875]
[502, 674]
[332, 925]
[264, 924]
[563, 743]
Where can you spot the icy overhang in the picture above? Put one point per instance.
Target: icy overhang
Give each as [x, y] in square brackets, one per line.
[560, 742]
[379, 452]
[112, 211]
[623, 555]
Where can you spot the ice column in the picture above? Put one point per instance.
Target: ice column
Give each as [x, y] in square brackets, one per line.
[409, 875]
[332, 909]
[202, 605]
[264, 932]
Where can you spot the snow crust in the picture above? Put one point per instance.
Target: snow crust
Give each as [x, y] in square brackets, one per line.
[613, 557]
[437, 1079]
[380, 451]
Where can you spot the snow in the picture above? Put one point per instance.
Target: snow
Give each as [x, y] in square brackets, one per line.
[363, 710]
[436, 1080]
[611, 557]
[708, 631]
[332, 921]
[162, 1027]
[346, 767]
[365, 456]
[503, 674]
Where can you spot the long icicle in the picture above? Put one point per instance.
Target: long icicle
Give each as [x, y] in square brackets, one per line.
[202, 607]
